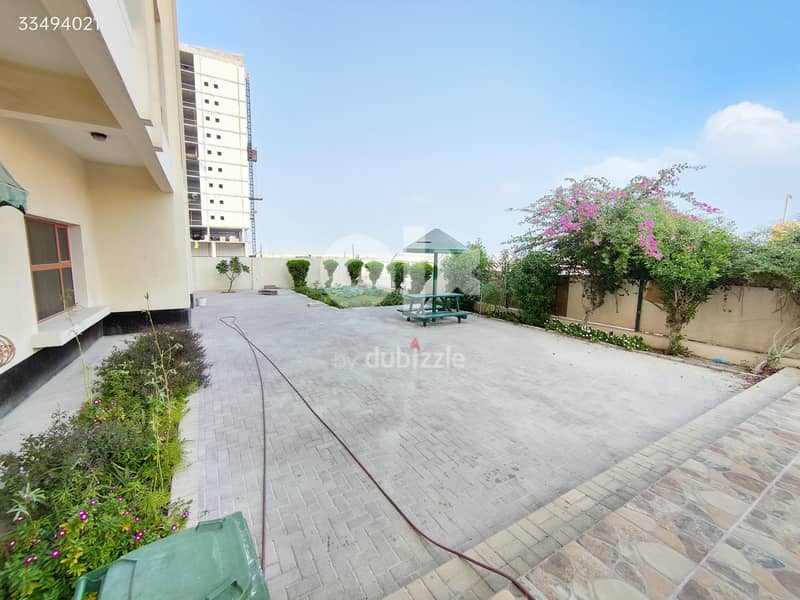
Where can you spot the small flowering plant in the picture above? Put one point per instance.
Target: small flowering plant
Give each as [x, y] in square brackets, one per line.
[97, 485]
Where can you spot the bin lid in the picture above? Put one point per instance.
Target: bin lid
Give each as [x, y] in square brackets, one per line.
[216, 561]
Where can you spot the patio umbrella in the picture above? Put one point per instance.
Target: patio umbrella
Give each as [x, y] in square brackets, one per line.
[436, 242]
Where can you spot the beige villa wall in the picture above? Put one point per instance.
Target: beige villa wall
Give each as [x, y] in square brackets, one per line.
[271, 270]
[743, 318]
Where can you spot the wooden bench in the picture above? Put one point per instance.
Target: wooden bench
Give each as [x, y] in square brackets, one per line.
[269, 290]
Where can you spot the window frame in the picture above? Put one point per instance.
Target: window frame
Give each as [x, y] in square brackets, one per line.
[57, 266]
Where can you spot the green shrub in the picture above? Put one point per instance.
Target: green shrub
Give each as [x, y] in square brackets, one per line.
[533, 280]
[375, 269]
[330, 267]
[97, 485]
[298, 269]
[630, 342]
[128, 372]
[397, 271]
[467, 301]
[354, 266]
[392, 299]
[420, 273]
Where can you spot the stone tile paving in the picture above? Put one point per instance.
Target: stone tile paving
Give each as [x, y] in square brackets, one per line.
[723, 525]
[525, 543]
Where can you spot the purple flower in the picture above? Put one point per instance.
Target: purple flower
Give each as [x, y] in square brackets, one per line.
[174, 527]
[126, 512]
[19, 519]
[36, 541]
[185, 514]
[92, 502]
[12, 543]
[83, 515]
[60, 533]
[30, 560]
[95, 401]
[105, 409]
[119, 498]
[95, 420]
[137, 518]
[55, 553]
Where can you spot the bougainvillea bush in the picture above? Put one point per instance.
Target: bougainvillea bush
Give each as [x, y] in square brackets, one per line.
[648, 229]
[97, 484]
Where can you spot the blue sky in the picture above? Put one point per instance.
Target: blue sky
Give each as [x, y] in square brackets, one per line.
[377, 120]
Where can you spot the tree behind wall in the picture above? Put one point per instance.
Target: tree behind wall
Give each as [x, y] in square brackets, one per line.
[231, 269]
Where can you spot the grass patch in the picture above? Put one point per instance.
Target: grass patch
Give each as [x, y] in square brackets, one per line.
[352, 297]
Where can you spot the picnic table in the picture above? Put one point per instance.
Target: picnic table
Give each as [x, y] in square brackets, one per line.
[433, 306]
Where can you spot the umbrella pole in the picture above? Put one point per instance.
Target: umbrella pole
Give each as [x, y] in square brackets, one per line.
[435, 275]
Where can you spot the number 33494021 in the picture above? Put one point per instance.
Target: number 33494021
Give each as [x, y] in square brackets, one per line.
[56, 23]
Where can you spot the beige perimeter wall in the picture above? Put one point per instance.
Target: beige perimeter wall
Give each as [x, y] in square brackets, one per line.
[740, 318]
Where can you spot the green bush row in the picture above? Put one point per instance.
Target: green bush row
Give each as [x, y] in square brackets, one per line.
[97, 484]
[630, 342]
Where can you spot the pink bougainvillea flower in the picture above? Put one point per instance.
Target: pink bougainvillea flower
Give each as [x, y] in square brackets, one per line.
[55, 553]
[83, 515]
[30, 560]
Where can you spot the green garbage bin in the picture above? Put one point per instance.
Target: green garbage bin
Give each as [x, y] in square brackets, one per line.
[214, 561]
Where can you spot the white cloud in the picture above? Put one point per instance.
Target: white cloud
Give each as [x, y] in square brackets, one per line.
[619, 170]
[751, 153]
[751, 131]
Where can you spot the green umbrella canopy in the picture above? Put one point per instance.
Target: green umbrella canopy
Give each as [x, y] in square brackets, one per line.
[436, 241]
[11, 192]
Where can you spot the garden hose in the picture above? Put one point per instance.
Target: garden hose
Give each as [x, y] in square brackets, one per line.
[230, 321]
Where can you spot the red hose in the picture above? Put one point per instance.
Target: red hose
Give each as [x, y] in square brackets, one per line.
[254, 348]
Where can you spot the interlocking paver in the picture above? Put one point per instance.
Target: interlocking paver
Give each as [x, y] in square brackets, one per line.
[463, 463]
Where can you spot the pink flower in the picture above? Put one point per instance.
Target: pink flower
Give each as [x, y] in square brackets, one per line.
[174, 527]
[596, 241]
[36, 541]
[126, 512]
[60, 533]
[12, 543]
[19, 519]
[30, 560]
[95, 420]
[92, 502]
[185, 514]
[95, 402]
[83, 515]
[55, 553]
[137, 518]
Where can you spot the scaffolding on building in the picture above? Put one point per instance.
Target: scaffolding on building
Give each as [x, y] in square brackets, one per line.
[252, 157]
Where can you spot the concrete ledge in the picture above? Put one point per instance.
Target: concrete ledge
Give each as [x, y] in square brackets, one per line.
[185, 480]
[61, 329]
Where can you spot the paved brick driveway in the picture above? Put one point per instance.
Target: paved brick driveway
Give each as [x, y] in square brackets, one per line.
[466, 450]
